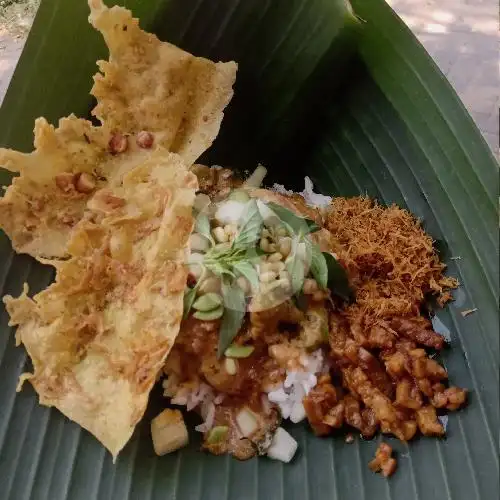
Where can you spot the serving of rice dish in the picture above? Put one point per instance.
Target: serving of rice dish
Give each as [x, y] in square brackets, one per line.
[337, 353]
[250, 306]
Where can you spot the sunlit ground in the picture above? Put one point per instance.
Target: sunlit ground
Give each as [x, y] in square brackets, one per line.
[462, 36]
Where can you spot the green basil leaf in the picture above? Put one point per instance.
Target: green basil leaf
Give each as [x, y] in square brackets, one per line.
[208, 302]
[202, 226]
[250, 226]
[217, 434]
[246, 269]
[239, 351]
[313, 227]
[209, 315]
[239, 195]
[219, 267]
[301, 301]
[189, 298]
[295, 267]
[299, 225]
[338, 281]
[222, 260]
[319, 268]
[223, 249]
[305, 252]
[234, 312]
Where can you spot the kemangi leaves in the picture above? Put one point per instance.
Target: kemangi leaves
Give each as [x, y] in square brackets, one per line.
[299, 225]
[319, 267]
[234, 312]
[202, 226]
[250, 226]
[338, 281]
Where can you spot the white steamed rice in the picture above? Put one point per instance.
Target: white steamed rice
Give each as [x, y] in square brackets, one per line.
[312, 199]
[297, 384]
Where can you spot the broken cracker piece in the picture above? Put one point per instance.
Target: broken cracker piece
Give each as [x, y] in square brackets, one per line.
[149, 85]
[48, 199]
[42, 205]
[99, 335]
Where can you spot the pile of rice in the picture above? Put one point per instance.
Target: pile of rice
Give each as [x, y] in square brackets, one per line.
[289, 395]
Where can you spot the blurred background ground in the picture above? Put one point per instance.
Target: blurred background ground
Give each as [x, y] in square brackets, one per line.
[461, 35]
[16, 18]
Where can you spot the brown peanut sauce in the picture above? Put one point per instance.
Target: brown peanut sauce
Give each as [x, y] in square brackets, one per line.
[195, 350]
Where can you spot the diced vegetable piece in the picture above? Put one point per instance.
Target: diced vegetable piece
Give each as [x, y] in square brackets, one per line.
[217, 434]
[198, 243]
[231, 366]
[255, 180]
[207, 302]
[169, 432]
[239, 195]
[278, 396]
[298, 412]
[209, 315]
[195, 262]
[283, 446]
[239, 351]
[247, 422]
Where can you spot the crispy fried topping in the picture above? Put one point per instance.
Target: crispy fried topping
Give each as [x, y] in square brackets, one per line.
[392, 262]
[383, 461]
[152, 85]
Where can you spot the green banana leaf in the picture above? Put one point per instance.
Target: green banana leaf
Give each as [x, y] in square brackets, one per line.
[358, 106]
